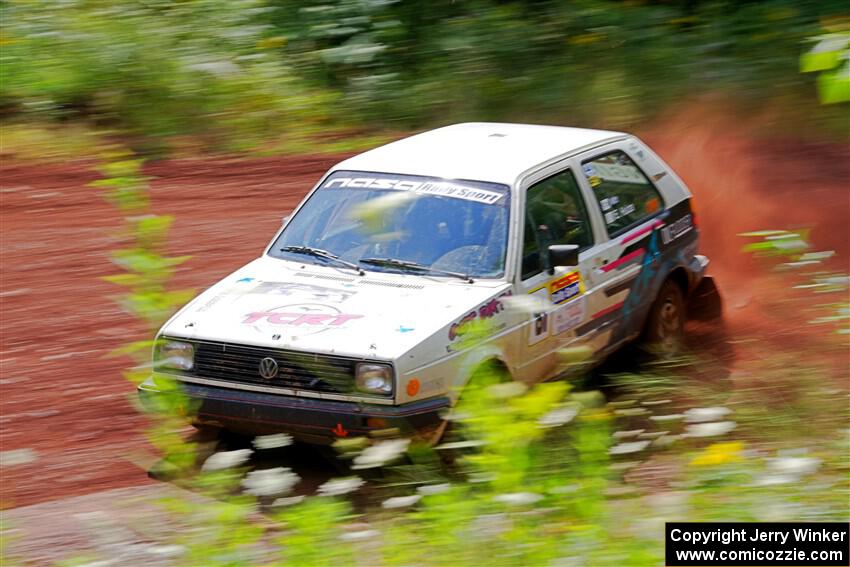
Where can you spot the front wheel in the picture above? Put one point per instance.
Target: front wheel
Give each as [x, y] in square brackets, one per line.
[665, 324]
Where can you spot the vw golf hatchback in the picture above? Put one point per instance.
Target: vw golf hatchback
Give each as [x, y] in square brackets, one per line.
[351, 320]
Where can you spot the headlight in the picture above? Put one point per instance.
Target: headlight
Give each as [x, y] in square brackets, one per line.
[175, 355]
[374, 378]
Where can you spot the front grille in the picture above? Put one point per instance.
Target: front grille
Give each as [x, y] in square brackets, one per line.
[296, 370]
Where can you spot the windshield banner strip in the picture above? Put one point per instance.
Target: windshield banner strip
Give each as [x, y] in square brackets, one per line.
[438, 188]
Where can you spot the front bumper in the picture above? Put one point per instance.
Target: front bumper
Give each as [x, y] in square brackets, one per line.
[306, 419]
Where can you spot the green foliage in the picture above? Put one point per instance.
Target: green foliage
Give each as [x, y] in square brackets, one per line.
[146, 270]
[155, 69]
[830, 57]
[261, 75]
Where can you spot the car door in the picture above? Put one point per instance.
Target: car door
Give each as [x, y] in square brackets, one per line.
[631, 208]
[559, 299]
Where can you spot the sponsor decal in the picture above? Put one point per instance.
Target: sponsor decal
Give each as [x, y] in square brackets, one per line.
[652, 205]
[209, 304]
[438, 188]
[485, 311]
[619, 173]
[303, 318]
[539, 327]
[308, 291]
[455, 329]
[569, 316]
[565, 288]
[676, 229]
[616, 214]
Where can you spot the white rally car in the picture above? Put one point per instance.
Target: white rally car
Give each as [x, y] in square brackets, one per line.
[351, 320]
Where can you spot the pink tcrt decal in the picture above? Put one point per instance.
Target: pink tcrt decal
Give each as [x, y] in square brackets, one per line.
[297, 319]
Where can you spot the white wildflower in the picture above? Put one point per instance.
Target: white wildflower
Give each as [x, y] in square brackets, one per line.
[359, 535]
[626, 448]
[627, 434]
[340, 486]
[269, 482]
[558, 416]
[774, 479]
[670, 417]
[288, 501]
[226, 460]
[701, 415]
[710, 429]
[518, 498]
[381, 453]
[794, 466]
[431, 489]
[401, 501]
[466, 444]
[272, 441]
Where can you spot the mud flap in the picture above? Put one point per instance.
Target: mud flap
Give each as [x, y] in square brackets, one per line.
[705, 302]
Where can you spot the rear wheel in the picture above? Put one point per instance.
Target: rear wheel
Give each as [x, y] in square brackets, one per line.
[665, 324]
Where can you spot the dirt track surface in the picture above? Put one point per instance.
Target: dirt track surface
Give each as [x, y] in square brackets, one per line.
[61, 399]
[70, 409]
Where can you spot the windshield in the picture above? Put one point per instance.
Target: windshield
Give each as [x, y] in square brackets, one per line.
[450, 226]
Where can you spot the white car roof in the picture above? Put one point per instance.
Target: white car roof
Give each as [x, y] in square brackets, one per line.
[479, 151]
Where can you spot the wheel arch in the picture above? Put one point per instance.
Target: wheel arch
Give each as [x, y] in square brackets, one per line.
[481, 359]
[680, 276]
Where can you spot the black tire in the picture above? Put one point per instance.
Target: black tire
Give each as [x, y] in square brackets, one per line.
[665, 324]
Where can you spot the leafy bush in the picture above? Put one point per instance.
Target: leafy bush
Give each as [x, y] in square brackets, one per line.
[240, 75]
[154, 69]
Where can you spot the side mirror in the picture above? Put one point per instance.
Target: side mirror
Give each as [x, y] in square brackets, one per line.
[563, 255]
[285, 219]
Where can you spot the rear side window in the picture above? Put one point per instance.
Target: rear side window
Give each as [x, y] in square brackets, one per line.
[626, 195]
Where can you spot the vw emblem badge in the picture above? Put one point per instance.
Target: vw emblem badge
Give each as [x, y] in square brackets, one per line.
[268, 368]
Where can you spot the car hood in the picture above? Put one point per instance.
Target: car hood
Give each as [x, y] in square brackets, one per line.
[281, 304]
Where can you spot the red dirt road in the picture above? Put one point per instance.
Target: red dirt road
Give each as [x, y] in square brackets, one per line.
[61, 399]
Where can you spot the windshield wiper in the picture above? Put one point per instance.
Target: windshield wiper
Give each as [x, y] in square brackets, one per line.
[319, 253]
[414, 266]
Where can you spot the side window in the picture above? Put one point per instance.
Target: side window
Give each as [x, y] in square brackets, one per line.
[626, 196]
[555, 213]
